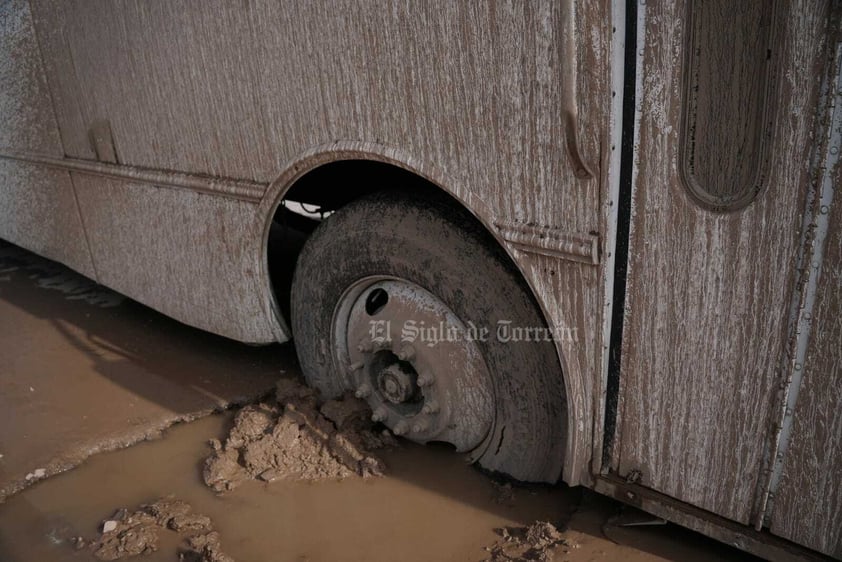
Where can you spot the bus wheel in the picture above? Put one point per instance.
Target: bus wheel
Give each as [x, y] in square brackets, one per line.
[409, 303]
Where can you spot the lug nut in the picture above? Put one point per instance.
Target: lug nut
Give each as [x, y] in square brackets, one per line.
[406, 353]
[400, 428]
[425, 379]
[430, 407]
[357, 366]
[363, 391]
[420, 426]
[379, 415]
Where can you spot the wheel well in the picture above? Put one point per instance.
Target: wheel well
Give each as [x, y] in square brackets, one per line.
[335, 184]
[330, 186]
[317, 193]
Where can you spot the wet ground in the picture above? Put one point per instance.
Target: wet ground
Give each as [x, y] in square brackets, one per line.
[83, 371]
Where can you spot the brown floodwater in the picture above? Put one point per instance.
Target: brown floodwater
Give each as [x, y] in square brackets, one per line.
[432, 506]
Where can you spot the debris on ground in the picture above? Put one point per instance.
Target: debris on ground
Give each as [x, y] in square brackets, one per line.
[503, 493]
[125, 535]
[36, 474]
[297, 437]
[538, 541]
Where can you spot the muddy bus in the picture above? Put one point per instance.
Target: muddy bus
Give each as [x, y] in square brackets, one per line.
[592, 242]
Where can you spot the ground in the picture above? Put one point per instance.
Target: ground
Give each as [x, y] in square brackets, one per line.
[84, 371]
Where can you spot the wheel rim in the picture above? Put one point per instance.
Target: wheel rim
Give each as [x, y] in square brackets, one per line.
[415, 362]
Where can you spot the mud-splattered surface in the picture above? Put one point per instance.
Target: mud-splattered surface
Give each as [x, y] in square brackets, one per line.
[105, 377]
[84, 370]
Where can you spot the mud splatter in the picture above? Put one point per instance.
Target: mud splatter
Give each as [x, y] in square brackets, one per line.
[125, 534]
[297, 437]
[538, 541]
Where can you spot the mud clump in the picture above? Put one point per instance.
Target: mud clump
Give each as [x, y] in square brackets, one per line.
[125, 535]
[297, 437]
[538, 541]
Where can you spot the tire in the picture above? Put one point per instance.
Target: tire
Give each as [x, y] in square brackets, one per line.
[426, 240]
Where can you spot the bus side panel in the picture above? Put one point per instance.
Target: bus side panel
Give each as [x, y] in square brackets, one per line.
[808, 506]
[187, 254]
[38, 212]
[242, 90]
[26, 111]
[37, 206]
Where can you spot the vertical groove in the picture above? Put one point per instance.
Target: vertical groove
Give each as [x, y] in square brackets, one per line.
[623, 224]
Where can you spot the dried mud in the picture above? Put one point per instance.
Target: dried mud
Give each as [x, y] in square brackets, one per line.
[125, 535]
[539, 541]
[297, 437]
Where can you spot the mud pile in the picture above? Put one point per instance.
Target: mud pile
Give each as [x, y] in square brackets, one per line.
[125, 535]
[299, 438]
[536, 542]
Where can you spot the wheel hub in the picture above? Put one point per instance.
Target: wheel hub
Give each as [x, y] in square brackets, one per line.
[414, 361]
[395, 384]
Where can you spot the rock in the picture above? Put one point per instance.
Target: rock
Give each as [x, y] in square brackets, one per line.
[270, 475]
[109, 526]
[36, 474]
[78, 542]
[535, 542]
[165, 509]
[192, 522]
[204, 548]
[371, 466]
[542, 535]
[125, 541]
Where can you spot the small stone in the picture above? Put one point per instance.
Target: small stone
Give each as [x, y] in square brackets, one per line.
[109, 526]
[190, 522]
[37, 473]
[166, 509]
[270, 475]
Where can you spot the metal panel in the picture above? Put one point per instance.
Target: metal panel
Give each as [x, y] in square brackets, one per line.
[37, 207]
[224, 89]
[709, 293]
[26, 111]
[190, 255]
[808, 505]
[38, 211]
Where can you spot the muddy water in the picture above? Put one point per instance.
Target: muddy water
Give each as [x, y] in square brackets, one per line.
[431, 507]
[77, 378]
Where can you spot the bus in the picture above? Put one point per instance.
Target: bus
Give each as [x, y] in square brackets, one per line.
[592, 242]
